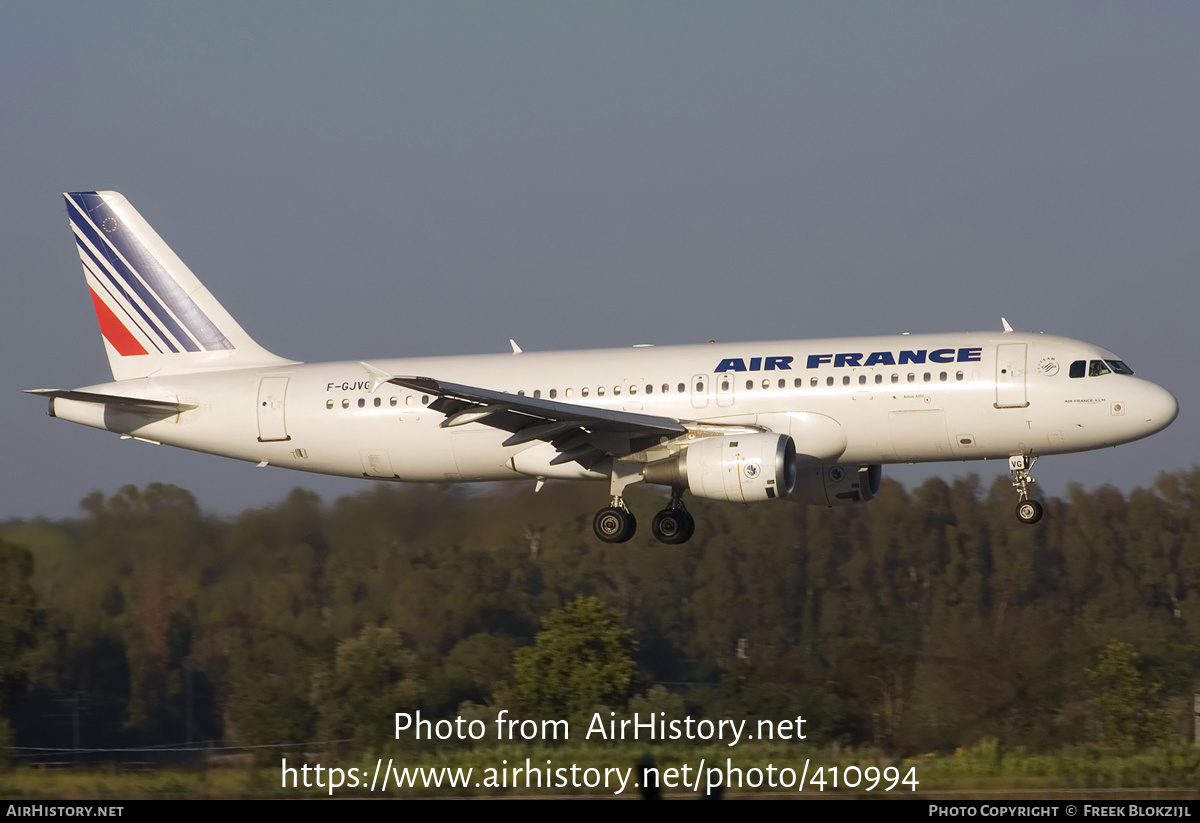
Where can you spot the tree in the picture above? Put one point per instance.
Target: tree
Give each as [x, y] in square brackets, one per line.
[267, 706]
[1129, 709]
[18, 609]
[582, 658]
[18, 628]
[373, 676]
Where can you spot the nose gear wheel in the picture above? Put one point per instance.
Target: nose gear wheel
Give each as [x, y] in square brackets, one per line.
[1028, 511]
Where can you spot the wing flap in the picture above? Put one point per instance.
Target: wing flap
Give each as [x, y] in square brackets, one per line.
[545, 410]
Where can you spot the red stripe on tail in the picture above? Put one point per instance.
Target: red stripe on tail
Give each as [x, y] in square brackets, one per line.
[114, 330]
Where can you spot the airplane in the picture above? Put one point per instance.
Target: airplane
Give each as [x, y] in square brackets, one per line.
[811, 421]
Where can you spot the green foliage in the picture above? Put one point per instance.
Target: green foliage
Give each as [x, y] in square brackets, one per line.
[476, 670]
[372, 677]
[1130, 710]
[268, 706]
[658, 702]
[582, 658]
[18, 609]
[6, 742]
[19, 633]
[926, 620]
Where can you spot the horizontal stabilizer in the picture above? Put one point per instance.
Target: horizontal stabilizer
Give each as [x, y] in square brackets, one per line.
[129, 403]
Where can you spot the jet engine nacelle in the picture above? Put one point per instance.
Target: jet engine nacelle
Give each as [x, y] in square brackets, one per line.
[743, 468]
[837, 485]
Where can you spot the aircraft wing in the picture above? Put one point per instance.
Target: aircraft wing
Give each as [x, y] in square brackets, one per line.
[583, 434]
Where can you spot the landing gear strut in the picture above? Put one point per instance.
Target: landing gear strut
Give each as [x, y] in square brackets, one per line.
[616, 524]
[1028, 511]
[673, 525]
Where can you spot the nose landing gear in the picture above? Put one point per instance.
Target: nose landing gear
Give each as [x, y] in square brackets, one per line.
[1028, 511]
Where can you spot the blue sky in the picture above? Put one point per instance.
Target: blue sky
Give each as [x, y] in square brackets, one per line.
[386, 179]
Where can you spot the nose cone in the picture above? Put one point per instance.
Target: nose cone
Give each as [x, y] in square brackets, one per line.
[1159, 408]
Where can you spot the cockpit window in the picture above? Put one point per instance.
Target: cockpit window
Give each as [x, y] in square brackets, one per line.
[1098, 367]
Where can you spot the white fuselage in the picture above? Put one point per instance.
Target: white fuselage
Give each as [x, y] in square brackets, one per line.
[899, 399]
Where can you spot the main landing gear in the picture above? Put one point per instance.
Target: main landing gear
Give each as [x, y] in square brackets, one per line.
[616, 524]
[672, 526]
[1028, 511]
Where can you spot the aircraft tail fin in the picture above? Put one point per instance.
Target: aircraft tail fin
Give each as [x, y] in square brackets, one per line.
[155, 316]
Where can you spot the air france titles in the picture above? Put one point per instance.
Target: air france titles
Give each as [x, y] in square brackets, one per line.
[855, 359]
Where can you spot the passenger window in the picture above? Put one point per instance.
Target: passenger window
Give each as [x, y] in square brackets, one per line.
[633, 389]
[782, 383]
[616, 391]
[912, 378]
[813, 382]
[1078, 367]
[766, 384]
[1097, 368]
[846, 380]
[424, 400]
[828, 381]
[583, 392]
[378, 402]
[553, 393]
[799, 382]
[599, 391]
[862, 380]
[362, 402]
[928, 377]
[725, 385]
[895, 378]
[569, 392]
[749, 385]
[649, 389]
[958, 376]
[408, 400]
[682, 388]
[878, 379]
[345, 403]
[537, 392]
[943, 376]
[329, 404]
[392, 401]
